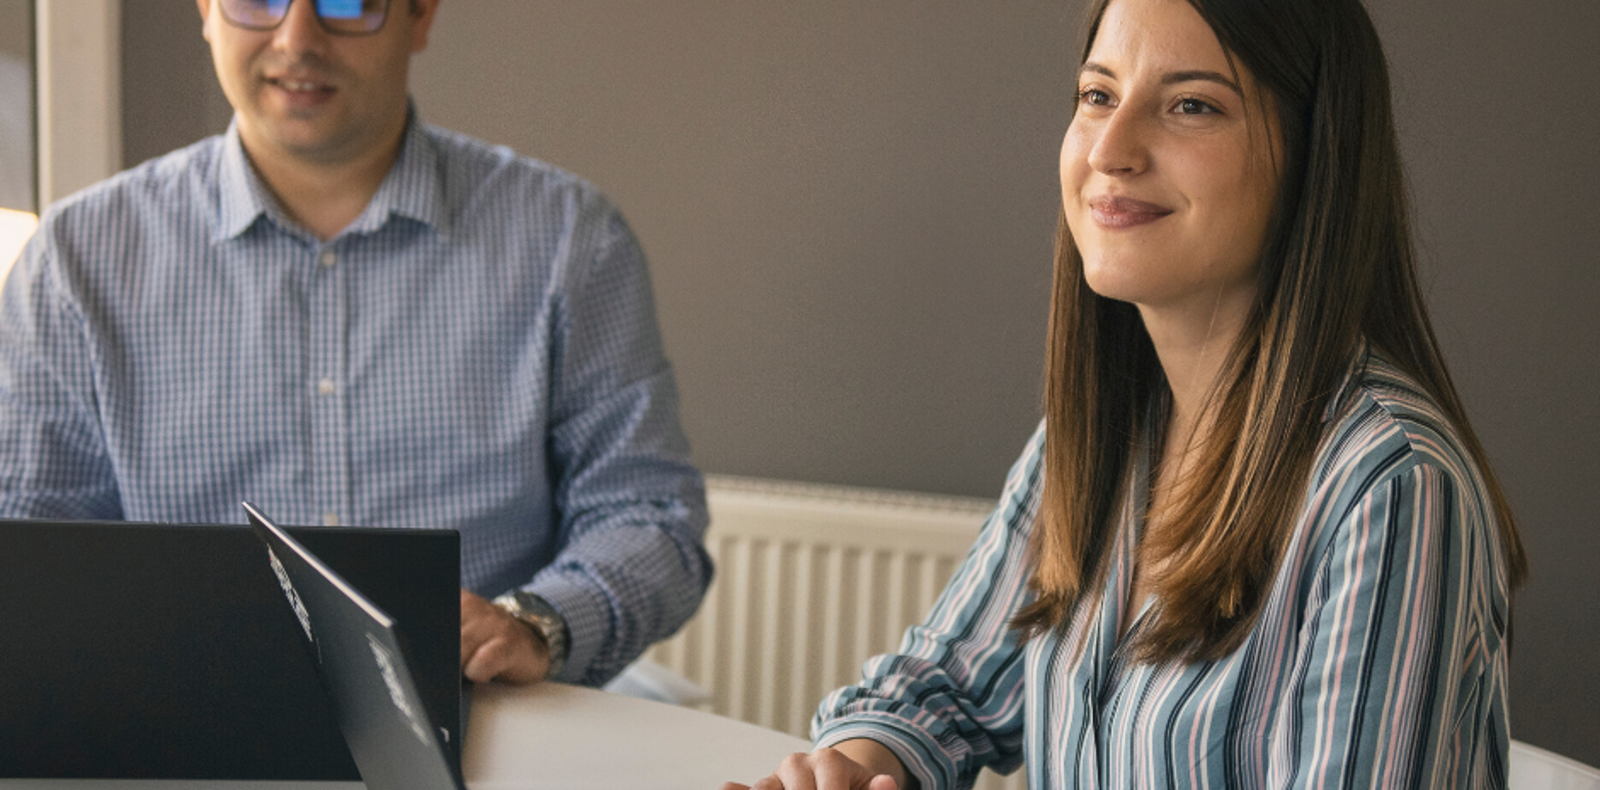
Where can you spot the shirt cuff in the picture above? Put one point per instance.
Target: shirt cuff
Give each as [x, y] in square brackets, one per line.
[916, 750]
[588, 618]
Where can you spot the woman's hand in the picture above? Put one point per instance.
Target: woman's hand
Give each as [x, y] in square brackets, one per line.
[852, 765]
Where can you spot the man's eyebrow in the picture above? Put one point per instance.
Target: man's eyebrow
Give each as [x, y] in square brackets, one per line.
[1175, 77]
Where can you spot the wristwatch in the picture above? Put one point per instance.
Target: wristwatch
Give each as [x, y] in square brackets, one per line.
[538, 614]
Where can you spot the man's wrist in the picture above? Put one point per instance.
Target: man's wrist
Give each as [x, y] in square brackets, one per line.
[546, 623]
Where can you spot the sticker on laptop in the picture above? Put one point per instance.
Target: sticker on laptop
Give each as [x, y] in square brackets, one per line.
[397, 693]
[300, 612]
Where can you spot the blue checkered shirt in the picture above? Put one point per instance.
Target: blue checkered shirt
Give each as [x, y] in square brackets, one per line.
[478, 350]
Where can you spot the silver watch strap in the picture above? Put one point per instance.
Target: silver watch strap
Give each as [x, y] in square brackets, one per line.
[538, 614]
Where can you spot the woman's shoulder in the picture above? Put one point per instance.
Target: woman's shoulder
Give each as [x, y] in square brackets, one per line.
[1019, 501]
[1383, 425]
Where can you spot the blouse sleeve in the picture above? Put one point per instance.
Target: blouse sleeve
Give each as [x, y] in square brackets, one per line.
[951, 701]
[1400, 675]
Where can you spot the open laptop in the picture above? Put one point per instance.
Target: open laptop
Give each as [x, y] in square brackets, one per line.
[165, 651]
[361, 656]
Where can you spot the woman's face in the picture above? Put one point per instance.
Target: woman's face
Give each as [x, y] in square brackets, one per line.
[1167, 171]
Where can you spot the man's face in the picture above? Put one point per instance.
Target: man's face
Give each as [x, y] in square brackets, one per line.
[312, 96]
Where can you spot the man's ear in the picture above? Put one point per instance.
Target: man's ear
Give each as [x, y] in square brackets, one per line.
[205, 18]
[422, 12]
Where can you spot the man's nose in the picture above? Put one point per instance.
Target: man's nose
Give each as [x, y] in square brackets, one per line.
[300, 30]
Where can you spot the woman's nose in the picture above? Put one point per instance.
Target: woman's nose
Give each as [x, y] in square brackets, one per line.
[1119, 145]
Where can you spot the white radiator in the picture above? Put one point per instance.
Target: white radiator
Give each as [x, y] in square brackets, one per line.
[811, 581]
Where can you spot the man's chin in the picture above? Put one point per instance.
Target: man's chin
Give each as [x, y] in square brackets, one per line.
[301, 139]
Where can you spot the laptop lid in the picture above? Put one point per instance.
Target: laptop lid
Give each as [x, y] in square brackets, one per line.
[361, 656]
[165, 651]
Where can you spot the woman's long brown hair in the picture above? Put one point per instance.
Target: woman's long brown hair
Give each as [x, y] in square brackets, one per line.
[1337, 268]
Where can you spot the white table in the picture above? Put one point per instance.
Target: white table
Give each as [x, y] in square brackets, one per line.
[555, 736]
[560, 737]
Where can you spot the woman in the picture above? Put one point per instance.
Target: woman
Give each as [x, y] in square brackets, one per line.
[1255, 542]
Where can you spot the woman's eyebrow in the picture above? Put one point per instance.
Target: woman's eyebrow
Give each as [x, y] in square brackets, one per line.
[1096, 68]
[1174, 77]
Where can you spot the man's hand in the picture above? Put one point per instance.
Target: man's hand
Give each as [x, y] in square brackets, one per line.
[854, 765]
[497, 646]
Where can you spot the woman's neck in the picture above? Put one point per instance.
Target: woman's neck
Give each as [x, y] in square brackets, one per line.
[1194, 352]
[1194, 347]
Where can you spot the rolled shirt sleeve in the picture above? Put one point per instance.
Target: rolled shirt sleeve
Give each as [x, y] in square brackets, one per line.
[632, 567]
[55, 461]
[952, 700]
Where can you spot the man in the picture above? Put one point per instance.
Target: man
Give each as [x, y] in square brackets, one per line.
[346, 316]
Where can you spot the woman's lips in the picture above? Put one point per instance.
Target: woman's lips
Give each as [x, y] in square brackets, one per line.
[1122, 212]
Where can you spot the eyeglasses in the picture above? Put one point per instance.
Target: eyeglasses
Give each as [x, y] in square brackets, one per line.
[339, 17]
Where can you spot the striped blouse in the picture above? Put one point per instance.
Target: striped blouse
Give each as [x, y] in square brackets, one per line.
[1378, 660]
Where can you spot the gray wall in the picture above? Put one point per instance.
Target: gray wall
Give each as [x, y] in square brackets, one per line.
[1498, 110]
[170, 95]
[849, 208]
[16, 108]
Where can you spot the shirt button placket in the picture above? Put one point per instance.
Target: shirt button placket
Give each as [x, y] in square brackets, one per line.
[329, 441]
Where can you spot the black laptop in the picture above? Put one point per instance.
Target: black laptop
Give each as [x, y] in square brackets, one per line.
[163, 651]
[361, 656]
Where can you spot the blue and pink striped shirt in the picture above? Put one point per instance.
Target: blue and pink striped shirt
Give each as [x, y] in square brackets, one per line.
[1378, 660]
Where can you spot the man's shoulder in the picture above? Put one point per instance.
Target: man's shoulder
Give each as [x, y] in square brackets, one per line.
[464, 151]
[478, 171]
[165, 183]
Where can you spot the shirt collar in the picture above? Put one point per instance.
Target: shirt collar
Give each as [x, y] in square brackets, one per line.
[241, 197]
[412, 189]
[1350, 384]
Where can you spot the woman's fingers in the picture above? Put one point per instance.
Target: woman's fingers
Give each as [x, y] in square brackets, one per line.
[823, 769]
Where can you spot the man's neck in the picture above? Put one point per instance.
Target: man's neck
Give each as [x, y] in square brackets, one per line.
[324, 197]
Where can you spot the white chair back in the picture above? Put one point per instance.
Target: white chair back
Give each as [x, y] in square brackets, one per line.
[1533, 768]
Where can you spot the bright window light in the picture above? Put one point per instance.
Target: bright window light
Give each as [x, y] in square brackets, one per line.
[15, 229]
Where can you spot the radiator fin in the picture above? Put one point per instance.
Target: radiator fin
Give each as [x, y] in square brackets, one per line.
[811, 581]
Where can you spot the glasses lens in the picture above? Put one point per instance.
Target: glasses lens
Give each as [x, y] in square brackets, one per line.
[254, 14]
[338, 16]
[352, 16]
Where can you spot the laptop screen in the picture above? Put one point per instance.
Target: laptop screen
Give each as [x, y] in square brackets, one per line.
[361, 656]
[163, 651]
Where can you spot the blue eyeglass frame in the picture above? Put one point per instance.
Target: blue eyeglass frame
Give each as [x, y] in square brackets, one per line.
[325, 10]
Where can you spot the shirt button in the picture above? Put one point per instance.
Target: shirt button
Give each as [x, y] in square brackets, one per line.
[330, 519]
[329, 259]
[325, 387]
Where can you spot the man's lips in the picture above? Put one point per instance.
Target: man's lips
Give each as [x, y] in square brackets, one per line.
[299, 85]
[1111, 211]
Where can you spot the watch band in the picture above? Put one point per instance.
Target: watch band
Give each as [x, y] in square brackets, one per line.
[538, 614]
